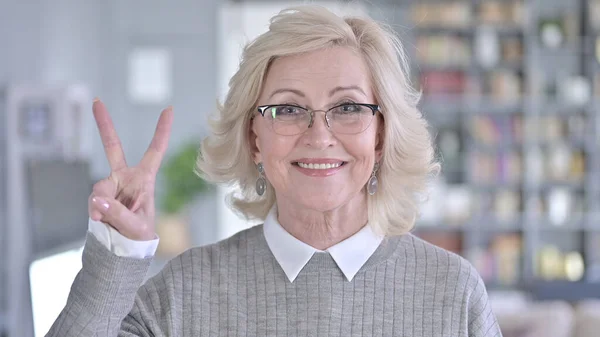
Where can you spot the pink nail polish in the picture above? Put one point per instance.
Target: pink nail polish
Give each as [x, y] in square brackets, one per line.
[101, 202]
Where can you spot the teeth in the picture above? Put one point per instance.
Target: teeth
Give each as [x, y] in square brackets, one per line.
[319, 166]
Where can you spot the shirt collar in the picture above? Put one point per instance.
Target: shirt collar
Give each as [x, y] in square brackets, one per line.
[292, 254]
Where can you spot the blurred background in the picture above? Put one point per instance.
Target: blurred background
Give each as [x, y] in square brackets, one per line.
[510, 87]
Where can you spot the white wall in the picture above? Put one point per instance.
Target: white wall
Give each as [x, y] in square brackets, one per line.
[69, 41]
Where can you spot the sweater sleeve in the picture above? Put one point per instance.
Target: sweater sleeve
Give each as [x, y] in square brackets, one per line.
[481, 319]
[102, 296]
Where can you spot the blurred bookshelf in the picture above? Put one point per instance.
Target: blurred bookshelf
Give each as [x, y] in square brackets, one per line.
[512, 91]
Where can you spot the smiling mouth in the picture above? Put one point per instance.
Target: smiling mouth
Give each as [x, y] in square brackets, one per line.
[319, 166]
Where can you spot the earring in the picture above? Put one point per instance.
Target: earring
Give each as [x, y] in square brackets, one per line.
[261, 182]
[372, 183]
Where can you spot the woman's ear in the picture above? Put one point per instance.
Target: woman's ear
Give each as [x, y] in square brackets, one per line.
[253, 141]
[379, 139]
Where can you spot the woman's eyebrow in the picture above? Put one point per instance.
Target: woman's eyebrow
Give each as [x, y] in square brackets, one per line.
[284, 90]
[351, 87]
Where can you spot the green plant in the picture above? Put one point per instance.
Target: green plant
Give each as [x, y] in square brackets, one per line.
[181, 184]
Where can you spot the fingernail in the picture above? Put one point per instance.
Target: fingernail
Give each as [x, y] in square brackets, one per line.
[101, 202]
[96, 216]
[96, 99]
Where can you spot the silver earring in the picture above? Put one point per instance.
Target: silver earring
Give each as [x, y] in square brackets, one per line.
[372, 183]
[261, 182]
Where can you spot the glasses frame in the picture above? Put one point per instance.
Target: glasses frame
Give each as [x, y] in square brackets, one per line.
[374, 109]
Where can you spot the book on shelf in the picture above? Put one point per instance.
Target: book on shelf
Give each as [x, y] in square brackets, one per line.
[501, 12]
[499, 263]
[554, 264]
[441, 14]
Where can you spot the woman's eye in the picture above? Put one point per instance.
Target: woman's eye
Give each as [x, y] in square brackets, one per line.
[286, 110]
[349, 108]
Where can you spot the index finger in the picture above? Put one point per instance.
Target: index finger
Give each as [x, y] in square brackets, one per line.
[108, 134]
[158, 146]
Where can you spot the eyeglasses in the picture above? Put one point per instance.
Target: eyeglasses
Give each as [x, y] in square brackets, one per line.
[347, 118]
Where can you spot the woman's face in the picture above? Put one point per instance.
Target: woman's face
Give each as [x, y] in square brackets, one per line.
[319, 169]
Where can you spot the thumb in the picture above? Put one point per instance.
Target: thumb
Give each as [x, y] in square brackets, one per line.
[116, 215]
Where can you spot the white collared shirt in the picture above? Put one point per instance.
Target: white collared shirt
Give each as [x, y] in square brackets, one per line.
[119, 244]
[292, 254]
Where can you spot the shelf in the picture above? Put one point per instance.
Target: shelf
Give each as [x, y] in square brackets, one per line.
[505, 128]
[576, 227]
[560, 108]
[438, 105]
[564, 290]
[567, 48]
[503, 29]
[442, 67]
[443, 29]
[472, 105]
[504, 65]
[480, 186]
[484, 225]
[501, 227]
[502, 146]
[500, 287]
[491, 106]
[577, 144]
[469, 30]
[548, 185]
[428, 228]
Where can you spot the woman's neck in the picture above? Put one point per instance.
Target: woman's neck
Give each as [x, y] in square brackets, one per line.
[323, 229]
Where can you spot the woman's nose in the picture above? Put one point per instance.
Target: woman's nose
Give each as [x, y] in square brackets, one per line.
[319, 135]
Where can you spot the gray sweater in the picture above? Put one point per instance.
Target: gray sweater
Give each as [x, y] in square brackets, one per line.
[236, 288]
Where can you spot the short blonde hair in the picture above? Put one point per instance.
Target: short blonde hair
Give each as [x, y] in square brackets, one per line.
[408, 159]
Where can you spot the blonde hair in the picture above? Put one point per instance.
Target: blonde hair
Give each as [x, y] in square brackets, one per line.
[408, 159]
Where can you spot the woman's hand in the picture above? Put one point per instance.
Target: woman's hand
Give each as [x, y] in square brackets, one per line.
[125, 200]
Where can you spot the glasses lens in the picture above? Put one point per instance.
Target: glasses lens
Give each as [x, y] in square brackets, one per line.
[288, 120]
[350, 118]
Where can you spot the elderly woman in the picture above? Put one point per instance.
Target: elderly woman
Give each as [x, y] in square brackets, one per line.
[321, 133]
